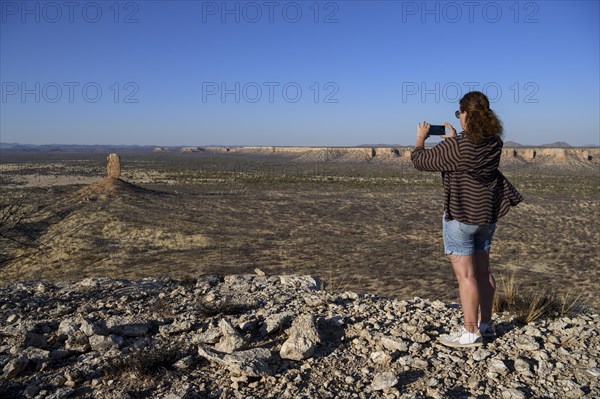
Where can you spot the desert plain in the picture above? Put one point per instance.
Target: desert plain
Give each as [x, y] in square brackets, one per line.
[363, 219]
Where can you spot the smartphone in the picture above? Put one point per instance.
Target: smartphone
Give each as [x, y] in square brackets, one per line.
[437, 130]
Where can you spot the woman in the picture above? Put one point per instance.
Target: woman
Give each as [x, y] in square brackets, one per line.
[476, 196]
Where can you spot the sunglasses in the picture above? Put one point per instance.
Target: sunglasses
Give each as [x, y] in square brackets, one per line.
[457, 114]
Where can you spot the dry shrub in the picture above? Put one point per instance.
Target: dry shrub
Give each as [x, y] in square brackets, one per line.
[188, 280]
[226, 306]
[529, 305]
[337, 278]
[144, 365]
[571, 340]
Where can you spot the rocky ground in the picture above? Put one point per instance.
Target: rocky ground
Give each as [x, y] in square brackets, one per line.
[257, 336]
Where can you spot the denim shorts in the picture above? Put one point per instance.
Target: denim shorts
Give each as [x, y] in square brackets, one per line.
[465, 239]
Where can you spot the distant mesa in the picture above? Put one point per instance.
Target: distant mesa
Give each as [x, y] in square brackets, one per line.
[558, 153]
[181, 149]
[557, 144]
[97, 148]
[551, 154]
[190, 149]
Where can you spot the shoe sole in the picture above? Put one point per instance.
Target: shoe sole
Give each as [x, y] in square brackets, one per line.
[459, 345]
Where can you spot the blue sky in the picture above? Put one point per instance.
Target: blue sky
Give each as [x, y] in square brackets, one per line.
[328, 73]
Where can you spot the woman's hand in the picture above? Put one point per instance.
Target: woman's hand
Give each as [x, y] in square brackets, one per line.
[422, 134]
[451, 129]
[423, 131]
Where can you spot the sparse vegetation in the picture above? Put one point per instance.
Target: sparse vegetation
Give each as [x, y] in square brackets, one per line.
[144, 365]
[226, 306]
[530, 305]
[336, 278]
[16, 237]
[366, 226]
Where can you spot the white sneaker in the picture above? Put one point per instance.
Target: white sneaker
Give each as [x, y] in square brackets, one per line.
[486, 330]
[461, 339]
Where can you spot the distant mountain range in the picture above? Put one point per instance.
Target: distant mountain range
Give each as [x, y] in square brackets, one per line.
[72, 147]
[103, 148]
[556, 144]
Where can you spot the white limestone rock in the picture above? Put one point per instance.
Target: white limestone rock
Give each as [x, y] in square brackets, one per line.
[303, 336]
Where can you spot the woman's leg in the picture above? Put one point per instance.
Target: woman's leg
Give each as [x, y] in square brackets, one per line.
[485, 283]
[464, 269]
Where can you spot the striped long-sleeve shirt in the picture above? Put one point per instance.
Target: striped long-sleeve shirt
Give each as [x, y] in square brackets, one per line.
[475, 191]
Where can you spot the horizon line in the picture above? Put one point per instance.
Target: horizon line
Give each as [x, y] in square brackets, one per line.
[3, 144]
